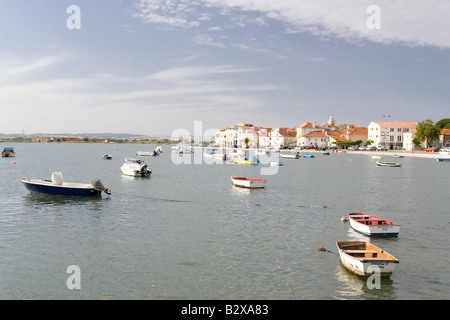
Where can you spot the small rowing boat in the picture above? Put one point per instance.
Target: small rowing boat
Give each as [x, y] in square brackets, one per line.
[248, 182]
[372, 225]
[365, 259]
[443, 159]
[388, 164]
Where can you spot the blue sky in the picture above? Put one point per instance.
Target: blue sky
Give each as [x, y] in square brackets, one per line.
[153, 66]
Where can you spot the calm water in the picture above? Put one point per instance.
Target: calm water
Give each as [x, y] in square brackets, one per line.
[187, 233]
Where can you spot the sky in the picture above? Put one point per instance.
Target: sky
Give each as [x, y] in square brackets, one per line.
[152, 67]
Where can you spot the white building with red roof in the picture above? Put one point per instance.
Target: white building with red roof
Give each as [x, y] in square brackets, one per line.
[389, 134]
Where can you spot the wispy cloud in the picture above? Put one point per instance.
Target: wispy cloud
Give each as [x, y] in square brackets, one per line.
[16, 67]
[413, 23]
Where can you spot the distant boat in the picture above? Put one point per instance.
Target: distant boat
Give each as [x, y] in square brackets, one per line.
[364, 258]
[253, 161]
[326, 153]
[371, 225]
[145, 153]
[289, 155]
[376, 157]
[443, 159]
[308, 156]
[135, 168]
[239, 161]
[276, 163]
[107, 157]
[248, 182]
[8, 152]
[178, 149]
[398, 156]
[56, 186]
[388, 164]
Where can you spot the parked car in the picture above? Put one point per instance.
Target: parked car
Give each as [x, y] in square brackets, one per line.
[431, 149]
[371, 148]
[444, 149]
[362, 148]
[381, 148]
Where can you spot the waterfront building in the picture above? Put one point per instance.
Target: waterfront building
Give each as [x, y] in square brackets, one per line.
[389, 134]
[444, 138]
[282, 137]
[408, 138]
[315, 138]
[243, 135]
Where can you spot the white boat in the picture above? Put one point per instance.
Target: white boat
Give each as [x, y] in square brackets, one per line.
[289, 155]
[376, 157]
[276, 163]
[144, 153]
[135, 168]
[398, 156]
[372, 225]
[363, 258]
[388, 164]
[248, 182]
[178, 149]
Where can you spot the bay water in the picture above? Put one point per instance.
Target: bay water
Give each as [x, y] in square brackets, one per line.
[187, 233]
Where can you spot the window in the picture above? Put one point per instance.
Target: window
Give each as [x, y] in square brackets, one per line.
[392, 129]
[399, 130]
[399, 138]
[391, 138]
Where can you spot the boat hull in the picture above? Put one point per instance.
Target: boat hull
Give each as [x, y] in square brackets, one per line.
[66, 189]
[364, 258]
[373, 226]
[388, 164]
[236, 161]
[249, 183]
[289, 156]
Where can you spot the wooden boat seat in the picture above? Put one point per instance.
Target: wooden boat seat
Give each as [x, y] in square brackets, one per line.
[360, 251]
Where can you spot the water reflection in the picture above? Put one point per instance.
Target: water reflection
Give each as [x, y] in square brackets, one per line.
[355, 286]
[43, 201]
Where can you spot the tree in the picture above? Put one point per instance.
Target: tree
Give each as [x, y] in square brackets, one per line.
[443, 123]
[427, 131]
[246, 141]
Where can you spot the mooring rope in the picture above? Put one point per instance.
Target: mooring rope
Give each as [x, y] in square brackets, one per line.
[147, 197]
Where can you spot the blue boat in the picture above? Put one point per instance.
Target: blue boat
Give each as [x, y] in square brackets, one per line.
[56, 186]
[308, 156]
[107, 157]
[443, 159]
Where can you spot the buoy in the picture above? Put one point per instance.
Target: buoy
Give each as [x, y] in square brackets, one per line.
[344, 219]
[323, 249]
[14, 162]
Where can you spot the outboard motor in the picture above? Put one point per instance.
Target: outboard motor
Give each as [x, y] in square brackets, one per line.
[144, 168]
[99, 186]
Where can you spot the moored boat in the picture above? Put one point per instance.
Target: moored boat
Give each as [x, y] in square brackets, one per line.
[135, 168]
[253, 161]
[397, 156]
[107, 157]
[372, 225]
[290, 155]
[8, 152]
[248, 182]
[388, 164]
[308, 156]
[363, 258]
[57, 186]
[443, 159]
